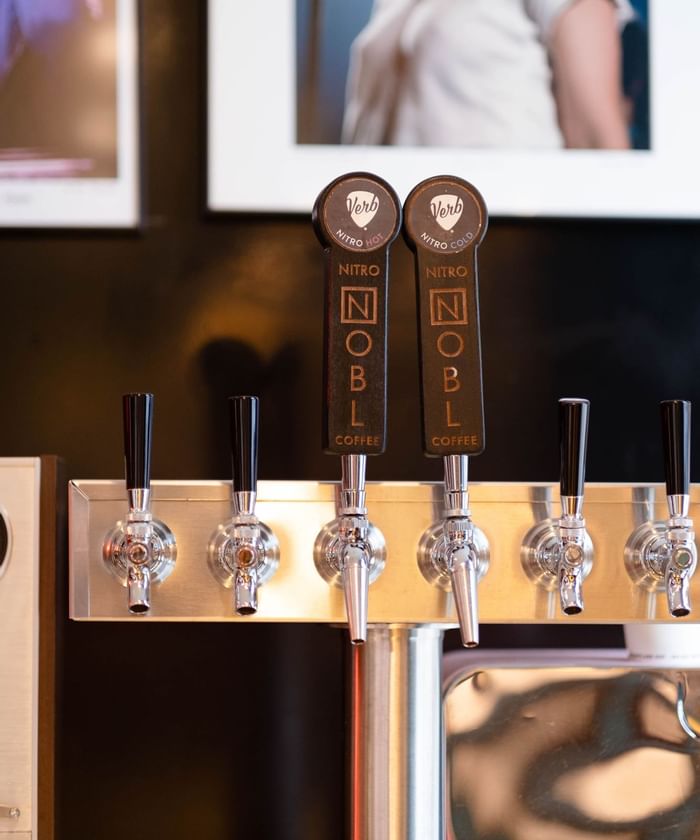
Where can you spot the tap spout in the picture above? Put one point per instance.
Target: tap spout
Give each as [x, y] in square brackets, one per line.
[679, 570]
[571, 567]
[247, 559]
[355, 577]
[138, 581]
[245, 587]
[570, 576]
[139, 556]
[464, 576]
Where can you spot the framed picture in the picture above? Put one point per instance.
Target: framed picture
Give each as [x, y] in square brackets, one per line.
[384, 86]
[69, 152]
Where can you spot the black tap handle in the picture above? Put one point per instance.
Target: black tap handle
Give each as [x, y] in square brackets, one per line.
[138, 438]
[244, 414]
[573, 439]
[356, 218]
[445, 220]
[675, 429]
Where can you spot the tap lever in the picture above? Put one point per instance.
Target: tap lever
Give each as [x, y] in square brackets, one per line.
[244, 414]
[573, 437]
[445, 220]
[675, 429]
[138, 438]
[356, 218]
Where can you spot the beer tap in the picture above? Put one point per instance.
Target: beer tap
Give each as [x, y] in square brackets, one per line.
[356, 218]
[558, 554]
[140, 551]
[244, 553]
[661, 556]
[445, 220]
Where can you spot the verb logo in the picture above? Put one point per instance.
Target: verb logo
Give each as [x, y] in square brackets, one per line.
[362, 206]
[447, 210]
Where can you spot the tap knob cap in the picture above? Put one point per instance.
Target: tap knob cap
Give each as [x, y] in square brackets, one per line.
[573, 438]
[244, 414]
[138, 437]
[675, 430]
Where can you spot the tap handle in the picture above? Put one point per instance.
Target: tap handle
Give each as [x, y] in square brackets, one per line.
[356, 218]
[675, 428]
[573, 437]
[244, 414]
[138, 436]
[445, 220]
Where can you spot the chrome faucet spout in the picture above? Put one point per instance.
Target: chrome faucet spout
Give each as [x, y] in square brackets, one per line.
[570, 580]
[464, 576]
[245, 587]
[355, 576]
[139, 558]
[571, 561]
[138, 581]
[679, 571]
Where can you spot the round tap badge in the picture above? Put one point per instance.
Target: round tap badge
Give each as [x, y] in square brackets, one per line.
[445, 215]
[359, 212]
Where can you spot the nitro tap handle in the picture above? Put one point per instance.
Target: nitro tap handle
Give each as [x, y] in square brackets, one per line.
[356, 218]
[138, 435]
[244, 413]
[573, 437]
[675, 428]
[445, 219]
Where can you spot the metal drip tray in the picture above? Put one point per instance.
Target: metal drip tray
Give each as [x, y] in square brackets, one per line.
[545, 746]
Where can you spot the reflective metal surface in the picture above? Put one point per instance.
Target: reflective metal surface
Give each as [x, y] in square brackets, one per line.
[297, 511]
[567, 745]
[19, 648]
[395, 736]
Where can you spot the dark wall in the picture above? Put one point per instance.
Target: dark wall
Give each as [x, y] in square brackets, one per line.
[192, 731]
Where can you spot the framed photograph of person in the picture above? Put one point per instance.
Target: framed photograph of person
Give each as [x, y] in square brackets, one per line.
[69, 151]
[550, 107]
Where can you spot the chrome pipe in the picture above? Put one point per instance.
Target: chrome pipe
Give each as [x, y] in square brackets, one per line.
[396, 766]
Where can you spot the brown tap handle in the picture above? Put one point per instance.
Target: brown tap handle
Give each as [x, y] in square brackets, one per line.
[356, 218]
[445, 219]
